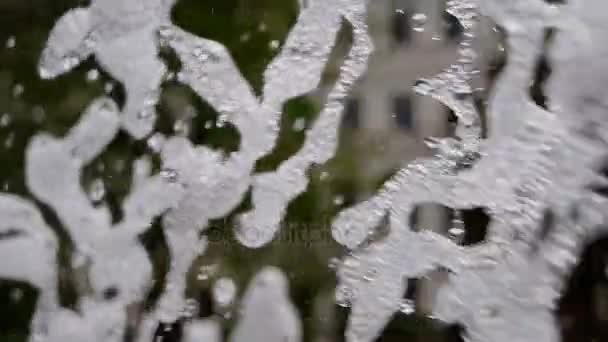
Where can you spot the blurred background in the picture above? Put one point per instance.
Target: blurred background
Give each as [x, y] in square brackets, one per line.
[385, 125]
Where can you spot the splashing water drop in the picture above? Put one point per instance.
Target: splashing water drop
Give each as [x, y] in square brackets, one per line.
[10, 140]
[339, 200]
[407, 306]
[299, 125]
[11, 42]
[92, 75]
[224, 291]
[16, 295]
[5, 120]
[108, 87]
[18, 90]
[333, 263]
[156, 142]
[97, 190]
[274, 44]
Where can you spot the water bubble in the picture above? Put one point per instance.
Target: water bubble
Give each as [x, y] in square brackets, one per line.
[400, 11]
[169, 175]
[11, 42]
[224, 291]
[418, 21]
[97, 190]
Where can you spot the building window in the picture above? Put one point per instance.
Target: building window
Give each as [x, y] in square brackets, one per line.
[351, 113]
[402, 111]
[401, 30]
[453, 28]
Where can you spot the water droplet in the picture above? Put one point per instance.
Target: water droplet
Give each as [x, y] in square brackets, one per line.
[400, 11]
[208, 124]
[11, 42]
[245, 37]
[92, 75]
[339, 200]
[324, 175]
[181, 127]
[10, 140]
[5, 120]
[274, 44]
[108, 87]
[18, 89]
[170, 175]
[224, 291]
[299, 125]
[333, 263]
[407, 306]
[418, 21]
[156, 142]
[344, 296]
[16, 295]
[97, 190]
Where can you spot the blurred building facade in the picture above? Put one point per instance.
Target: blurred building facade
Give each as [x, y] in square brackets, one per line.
[413, 39]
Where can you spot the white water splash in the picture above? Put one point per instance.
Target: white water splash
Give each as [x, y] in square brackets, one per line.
[534, 159]
[267, 312]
